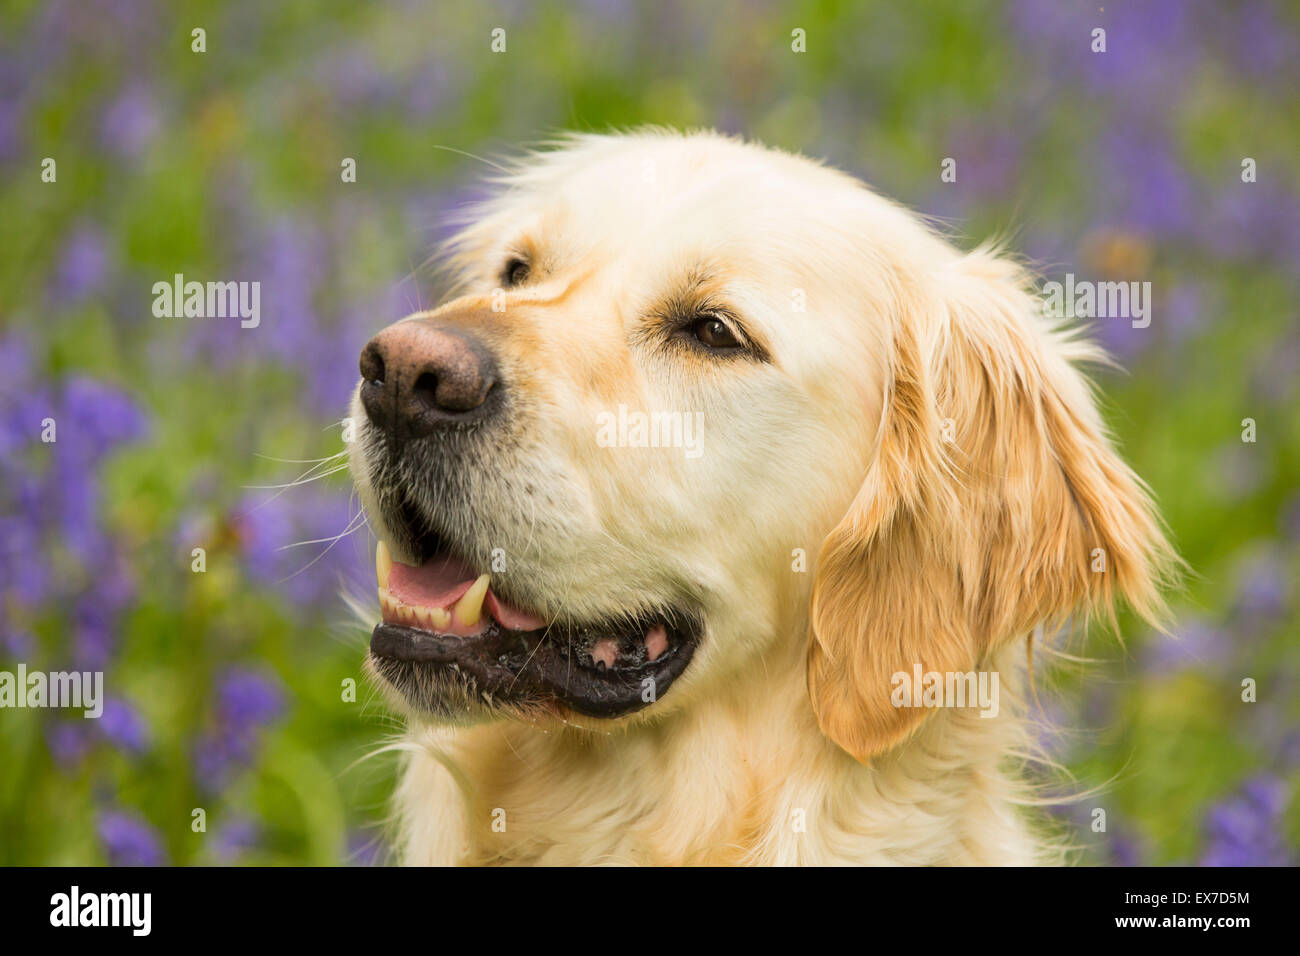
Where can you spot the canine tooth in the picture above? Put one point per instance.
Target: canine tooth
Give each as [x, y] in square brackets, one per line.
[383, 563]
[470, 607]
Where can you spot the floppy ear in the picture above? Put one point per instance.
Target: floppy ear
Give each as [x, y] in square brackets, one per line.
[994, 502]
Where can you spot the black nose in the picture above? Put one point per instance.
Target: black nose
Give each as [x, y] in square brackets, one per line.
[418, 377]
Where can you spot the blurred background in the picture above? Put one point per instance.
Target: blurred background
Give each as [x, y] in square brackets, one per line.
[227, 688]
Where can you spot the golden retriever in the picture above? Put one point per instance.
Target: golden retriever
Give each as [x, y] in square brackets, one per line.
[709, 505]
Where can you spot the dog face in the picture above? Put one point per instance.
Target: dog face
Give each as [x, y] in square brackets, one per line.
[674, 366]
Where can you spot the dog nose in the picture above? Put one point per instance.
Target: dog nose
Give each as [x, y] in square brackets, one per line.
[417, 377]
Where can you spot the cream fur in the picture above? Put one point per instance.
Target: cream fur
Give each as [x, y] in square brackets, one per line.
[779, 744]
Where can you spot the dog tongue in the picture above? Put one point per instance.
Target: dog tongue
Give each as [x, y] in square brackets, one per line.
[511, 618]
[443, 581]
[437, 583]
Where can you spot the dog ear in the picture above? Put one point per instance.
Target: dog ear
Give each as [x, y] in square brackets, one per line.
[994, 502]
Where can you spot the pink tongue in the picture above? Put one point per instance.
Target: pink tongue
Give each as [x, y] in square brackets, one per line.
[444, 581]
[507, 616]
[438, 583]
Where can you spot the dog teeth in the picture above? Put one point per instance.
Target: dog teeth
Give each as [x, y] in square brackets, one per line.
[397, 612]
[383, 564]
[469, 608]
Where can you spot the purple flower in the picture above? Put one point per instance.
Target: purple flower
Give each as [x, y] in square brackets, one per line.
[274, 534]
[23, 570]
[15, 363]
[1262, 44]
[235, 837]
[83, 266]
[123, 727]
[68, 742]
[247, 700]
[430, 89]
[1144, 184]
[988, 161]
[1117, 335]
[130, 122]
[1262, 586]
[358, 81]
[218, 757]
[10, 120]
[102, 417]
[1185, 310]
[1196, 643]
[15, 642]
[1125, 848]
[95, 631]
[1246, 829]
[129, 840]
[364, 849]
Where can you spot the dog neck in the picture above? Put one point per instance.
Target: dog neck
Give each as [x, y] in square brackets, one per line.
[741, 777]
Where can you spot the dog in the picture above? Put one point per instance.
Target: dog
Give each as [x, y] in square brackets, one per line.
[714, 479]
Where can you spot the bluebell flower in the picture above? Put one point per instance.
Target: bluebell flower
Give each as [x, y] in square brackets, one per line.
[1185, 310]
[94, 635]
[1144, 185]
[248, 699]
[131, 121]
[101, 417]
[364, 849]
[272, 532]
[1262, 44]
[15, 363]
[234, 837]
[432, 87]
[24, 575]
[68, 741]
[130, 841]
[16, 643]
[1124, 847]
[83, 265]
[357, 80]
[123, 726]
[1247, 828]
[12, 105]
[1196, 643]
[1263, 585]
[218, 757]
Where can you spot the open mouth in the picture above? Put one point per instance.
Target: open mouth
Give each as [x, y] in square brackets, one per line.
[444, 624]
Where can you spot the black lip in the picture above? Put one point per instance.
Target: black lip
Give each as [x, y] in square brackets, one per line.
[526, 667]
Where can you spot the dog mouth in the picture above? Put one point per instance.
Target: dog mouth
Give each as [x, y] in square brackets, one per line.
[446, 634]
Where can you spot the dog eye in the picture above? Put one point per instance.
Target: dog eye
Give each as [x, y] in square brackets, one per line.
[714, 333]
[515, 273]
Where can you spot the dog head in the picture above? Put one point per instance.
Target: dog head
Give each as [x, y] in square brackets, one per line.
[671, 368]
